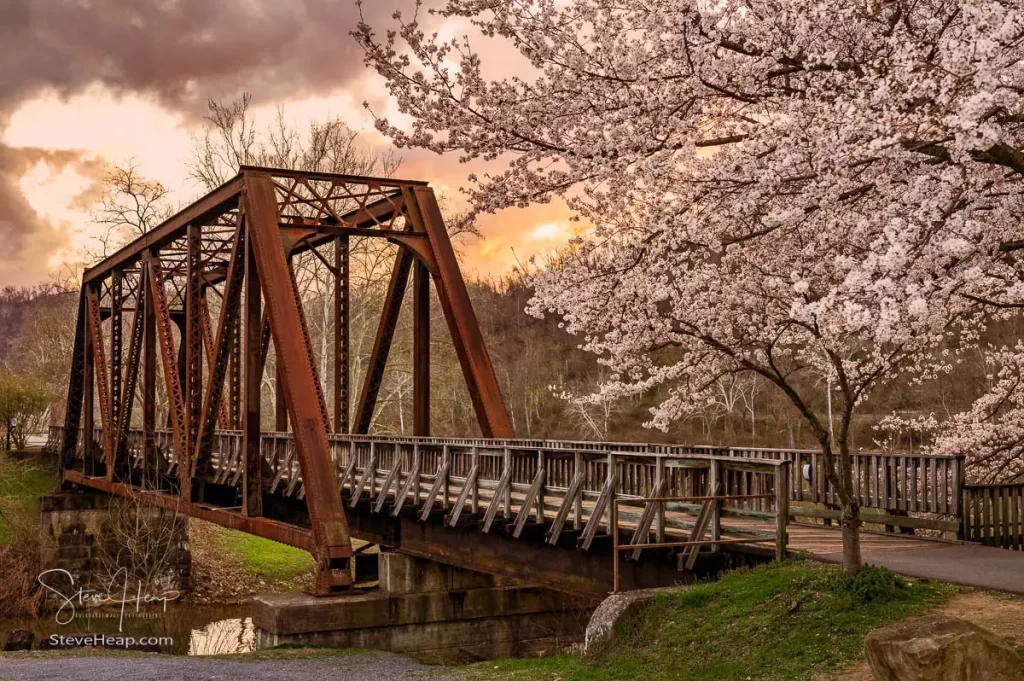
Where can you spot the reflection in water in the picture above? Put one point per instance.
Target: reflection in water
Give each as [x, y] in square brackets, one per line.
[236, 635]
[196, 630]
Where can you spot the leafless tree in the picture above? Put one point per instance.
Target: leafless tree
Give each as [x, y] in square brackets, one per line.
[145, 546]
[131, 206]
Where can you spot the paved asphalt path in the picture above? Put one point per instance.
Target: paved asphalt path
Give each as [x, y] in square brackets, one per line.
[985, 567]
[349, 667]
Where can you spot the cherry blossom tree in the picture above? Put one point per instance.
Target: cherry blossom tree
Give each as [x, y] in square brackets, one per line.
[816, 192]
[991, 433]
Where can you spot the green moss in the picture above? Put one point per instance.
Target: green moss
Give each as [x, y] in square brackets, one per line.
[792, 620]
[265, 558]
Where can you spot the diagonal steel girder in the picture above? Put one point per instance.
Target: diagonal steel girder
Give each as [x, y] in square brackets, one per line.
[297, 366]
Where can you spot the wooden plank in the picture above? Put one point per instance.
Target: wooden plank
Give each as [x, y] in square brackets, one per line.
[439, 479]
[914, 469]
[858, 487]
[1014, 509]
[944, 487]
[572, 494]
[798, 476]
[901, 486]
[282, 468]
[986, 523]
[1004, 517]
[501, 491]
[412, 483]
[603, 502]
[781, 511]
[394, 473]
[532, 495]
[476, 484]
[369, 473]
[468, 487]
[876, 475]
[641, 535]
[689, 555]
[349, 473]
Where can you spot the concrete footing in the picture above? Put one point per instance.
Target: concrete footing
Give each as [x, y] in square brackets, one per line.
[431, 611]
[103, 542]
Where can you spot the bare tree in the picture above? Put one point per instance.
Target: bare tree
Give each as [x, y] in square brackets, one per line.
[145, 548]
[131, 206]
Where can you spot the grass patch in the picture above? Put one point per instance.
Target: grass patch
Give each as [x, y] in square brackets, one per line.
[22, 482]
[791, 620]
[264, 558]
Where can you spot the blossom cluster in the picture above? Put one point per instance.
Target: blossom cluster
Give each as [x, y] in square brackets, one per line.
[825, 190]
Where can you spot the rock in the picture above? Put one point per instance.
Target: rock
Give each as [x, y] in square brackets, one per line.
[605, 619]
[940, 648]
[19, 639]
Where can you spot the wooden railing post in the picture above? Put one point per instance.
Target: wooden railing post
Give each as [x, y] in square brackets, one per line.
[577, 518]
[508, 490]
[613, 524]
[965, 515]
[960, 480]
[782, 473]
[475, 465]
[540, 492]
[614, 510]
[659, 519]
[716, 488]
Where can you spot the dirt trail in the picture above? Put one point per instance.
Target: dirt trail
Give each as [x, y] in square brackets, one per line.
[1002, 614]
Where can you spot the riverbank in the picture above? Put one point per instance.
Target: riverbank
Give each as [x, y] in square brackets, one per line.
[795, 620]
[228, 567]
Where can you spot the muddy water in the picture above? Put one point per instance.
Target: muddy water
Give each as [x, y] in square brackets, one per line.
[185, 629]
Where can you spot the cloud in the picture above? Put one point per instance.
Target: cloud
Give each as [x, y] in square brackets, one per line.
[183, 51]
[28, 239]
[179, 52]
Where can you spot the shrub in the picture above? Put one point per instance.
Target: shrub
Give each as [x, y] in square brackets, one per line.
[871, 584]
[23, 404]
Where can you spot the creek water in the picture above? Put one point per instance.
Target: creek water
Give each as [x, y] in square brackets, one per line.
[183, 629]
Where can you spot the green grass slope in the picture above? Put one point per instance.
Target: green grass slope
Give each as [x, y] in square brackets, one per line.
[791, 620]
[22, 482]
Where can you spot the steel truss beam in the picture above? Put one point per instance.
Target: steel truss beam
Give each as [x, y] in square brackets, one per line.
[236, 244]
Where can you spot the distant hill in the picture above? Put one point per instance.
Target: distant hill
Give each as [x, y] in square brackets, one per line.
[19, 304]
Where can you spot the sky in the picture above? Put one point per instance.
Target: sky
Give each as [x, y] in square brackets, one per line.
[88, 83]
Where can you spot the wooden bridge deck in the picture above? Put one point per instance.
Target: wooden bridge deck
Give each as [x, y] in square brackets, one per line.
[559, 493]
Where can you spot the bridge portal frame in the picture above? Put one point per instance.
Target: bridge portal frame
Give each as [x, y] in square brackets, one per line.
[232, 250]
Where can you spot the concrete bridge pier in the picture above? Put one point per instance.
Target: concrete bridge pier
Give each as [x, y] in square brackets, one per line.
[99, 542]
[431, 611]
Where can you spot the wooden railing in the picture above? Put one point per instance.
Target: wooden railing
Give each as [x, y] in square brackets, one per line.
[563, 489]
[994, 515]
[898, 490]
[707, 528]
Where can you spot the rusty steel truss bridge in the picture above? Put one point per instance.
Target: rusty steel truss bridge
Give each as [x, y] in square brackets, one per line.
[213, 287]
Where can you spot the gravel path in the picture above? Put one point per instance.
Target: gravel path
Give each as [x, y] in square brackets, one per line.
[353, 667]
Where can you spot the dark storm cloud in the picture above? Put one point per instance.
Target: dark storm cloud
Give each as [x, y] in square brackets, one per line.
[181, 51]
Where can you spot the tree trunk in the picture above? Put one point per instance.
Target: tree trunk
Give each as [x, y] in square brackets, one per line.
[851, 539]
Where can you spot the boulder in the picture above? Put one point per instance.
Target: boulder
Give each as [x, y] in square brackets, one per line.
[19, 639]
[940, 648]
[604, 621]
